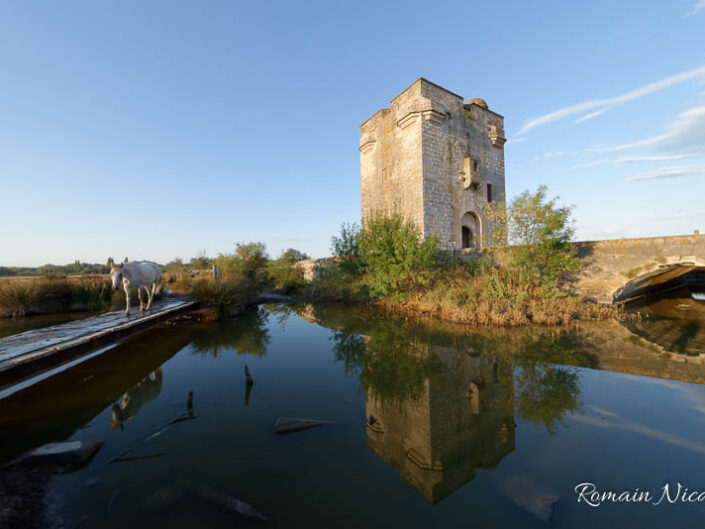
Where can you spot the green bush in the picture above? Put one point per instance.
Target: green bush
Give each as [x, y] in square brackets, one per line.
[346, 247]
[222, 295]
[249, 261]
[284, 276]
[337, 281]
[201, 261]
[293, 255]
[396, 258]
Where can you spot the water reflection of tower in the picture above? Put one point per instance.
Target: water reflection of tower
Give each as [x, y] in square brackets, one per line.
[460, 423]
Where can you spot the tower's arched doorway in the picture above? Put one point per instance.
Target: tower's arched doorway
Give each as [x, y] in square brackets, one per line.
[470, 230]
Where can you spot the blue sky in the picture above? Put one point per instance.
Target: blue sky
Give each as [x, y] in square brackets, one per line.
[160, 129]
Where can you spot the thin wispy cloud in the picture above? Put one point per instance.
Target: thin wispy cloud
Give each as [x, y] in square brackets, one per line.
[662, 158]
[635, 159]
[592, 115]
[591, 164]
[679, 219]
[669, 172]
[610, 419]
[554, 154]
[597, 107]
[699, 6]
[686, 135]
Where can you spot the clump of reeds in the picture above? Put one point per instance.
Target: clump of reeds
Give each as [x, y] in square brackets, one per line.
[53, 294]
[90, 295]
[18, 298]
[221, 296]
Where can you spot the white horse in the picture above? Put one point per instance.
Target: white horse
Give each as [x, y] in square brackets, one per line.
[139, 276]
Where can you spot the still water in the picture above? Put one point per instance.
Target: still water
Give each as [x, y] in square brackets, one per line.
[470, 427]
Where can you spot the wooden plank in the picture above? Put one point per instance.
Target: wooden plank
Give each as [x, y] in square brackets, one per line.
[56, 344]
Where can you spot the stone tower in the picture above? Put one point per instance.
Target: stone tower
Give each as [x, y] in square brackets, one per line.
[436, 160]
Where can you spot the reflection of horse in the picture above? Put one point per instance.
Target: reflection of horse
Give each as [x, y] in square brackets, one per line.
[137, 396]
[139, 276]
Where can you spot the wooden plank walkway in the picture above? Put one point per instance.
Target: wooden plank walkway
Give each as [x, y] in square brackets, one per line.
[54, 345]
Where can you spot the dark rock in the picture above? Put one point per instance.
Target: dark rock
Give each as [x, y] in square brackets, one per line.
[67, 455]
[25, 480]
[285, 425]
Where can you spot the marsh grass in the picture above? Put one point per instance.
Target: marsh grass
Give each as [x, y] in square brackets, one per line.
[91, 295]
[55, 294]
[224, 296]
[18, 298]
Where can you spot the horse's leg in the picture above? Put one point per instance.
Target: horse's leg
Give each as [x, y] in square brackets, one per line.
[151, 295]
[127, 300]
[139, 295]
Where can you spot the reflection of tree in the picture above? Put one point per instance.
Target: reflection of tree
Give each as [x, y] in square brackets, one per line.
[246, 334]
[349, 349]
[544, 392]
[390, 361]
[280, 312]
[564, 347]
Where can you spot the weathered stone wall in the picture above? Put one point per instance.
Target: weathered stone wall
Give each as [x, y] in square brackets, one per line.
[415, 158]
[611, 267]
[390, 162]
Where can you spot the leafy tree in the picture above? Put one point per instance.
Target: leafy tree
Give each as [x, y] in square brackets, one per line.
[541, 232]
[175, 265]
[248, 261]
[395, 255]
[346, 247]
[253, 256]
[201, 261]
[293, 255]
[111, 261]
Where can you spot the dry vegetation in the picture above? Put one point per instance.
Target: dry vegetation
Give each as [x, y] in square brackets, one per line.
[494, 296]
[43, 295]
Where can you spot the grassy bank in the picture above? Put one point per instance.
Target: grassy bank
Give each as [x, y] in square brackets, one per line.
[48, 295]
[495, 296]
[521, 280]
[466, 293]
